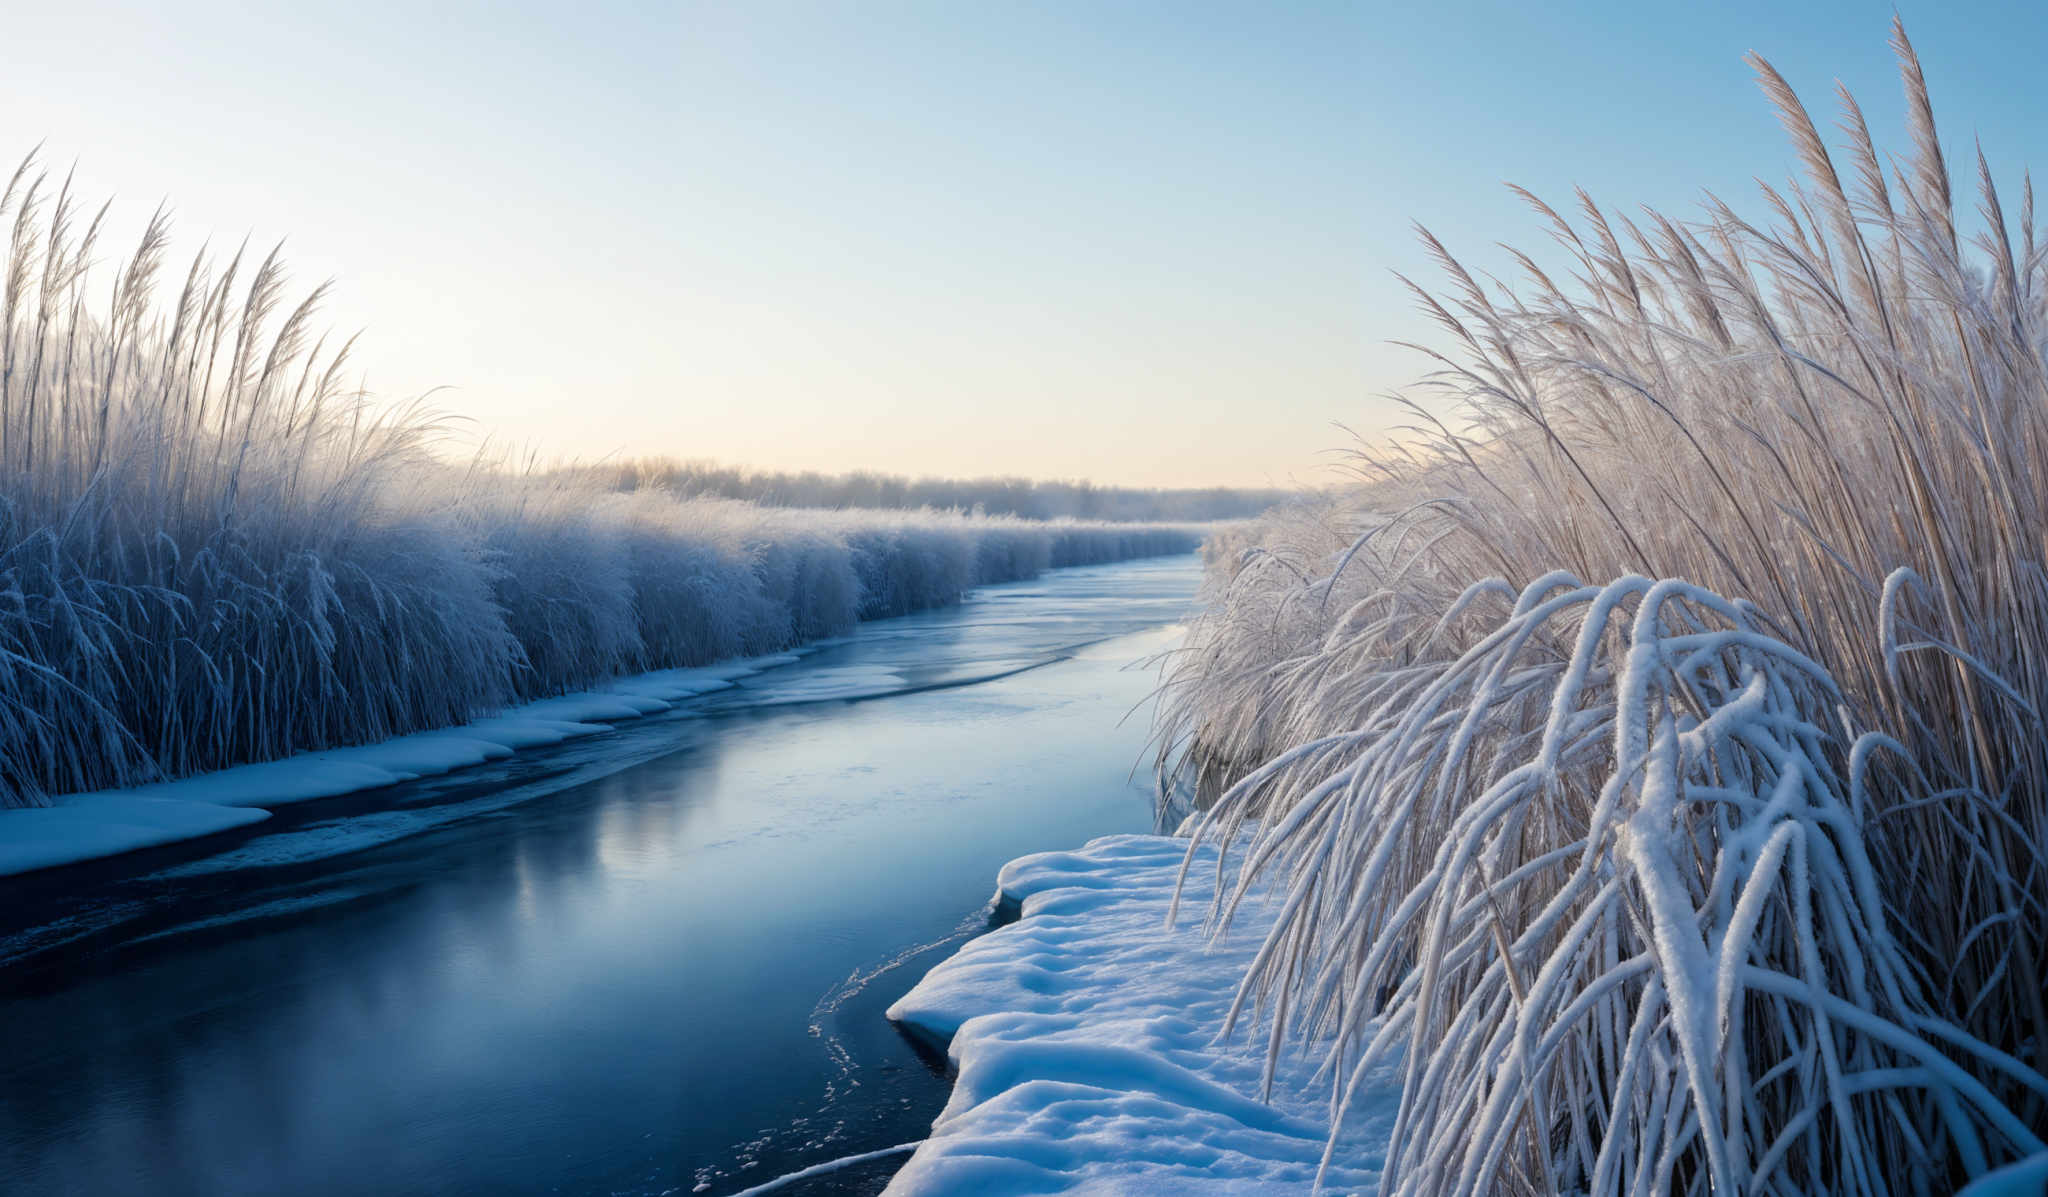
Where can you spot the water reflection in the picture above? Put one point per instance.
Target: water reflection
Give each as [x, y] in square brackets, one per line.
[669, 972]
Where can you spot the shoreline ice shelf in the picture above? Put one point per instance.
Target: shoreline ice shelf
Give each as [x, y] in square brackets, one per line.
[1086, 1034]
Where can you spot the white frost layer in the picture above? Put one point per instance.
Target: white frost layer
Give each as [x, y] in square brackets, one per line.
[1085, 1036]
[79, 827]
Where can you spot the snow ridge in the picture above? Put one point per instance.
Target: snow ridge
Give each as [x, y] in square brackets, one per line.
[1088, 1036]
[76, 827]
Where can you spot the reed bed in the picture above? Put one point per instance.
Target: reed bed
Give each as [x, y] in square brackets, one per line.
[214, 551]
[1046, 500]
[1723, 869]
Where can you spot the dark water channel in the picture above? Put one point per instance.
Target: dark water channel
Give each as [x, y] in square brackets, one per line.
[653, 961]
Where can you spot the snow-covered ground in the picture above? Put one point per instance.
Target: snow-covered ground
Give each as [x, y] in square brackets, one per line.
[79, 827]
[1086, 1037]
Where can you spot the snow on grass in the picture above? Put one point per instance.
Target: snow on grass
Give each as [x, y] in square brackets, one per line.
[214, 553]
[1086, 1036]
[1834, 421]
[1595, 867]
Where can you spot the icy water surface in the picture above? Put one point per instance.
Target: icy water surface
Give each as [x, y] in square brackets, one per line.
[653, 961]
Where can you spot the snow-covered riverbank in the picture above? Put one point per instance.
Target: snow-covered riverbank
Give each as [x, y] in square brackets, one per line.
[77, 827]
[91, 825]
[585, 968]
[1086, 1037]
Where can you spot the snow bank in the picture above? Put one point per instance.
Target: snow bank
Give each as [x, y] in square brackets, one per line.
[88, 826]
[1086, 1039]
[85, 826]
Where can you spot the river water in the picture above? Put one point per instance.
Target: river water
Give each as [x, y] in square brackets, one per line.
[653, 961]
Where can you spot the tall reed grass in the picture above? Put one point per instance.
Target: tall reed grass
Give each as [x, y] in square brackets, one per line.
[214, 551]
[1662, 890]
[995, 496]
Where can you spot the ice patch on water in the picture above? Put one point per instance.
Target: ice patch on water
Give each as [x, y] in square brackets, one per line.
[830, 683]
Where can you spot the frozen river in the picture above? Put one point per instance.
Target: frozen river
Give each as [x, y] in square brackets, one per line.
[653, 961]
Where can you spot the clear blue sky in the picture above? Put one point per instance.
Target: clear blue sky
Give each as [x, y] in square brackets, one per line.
[1144, 243]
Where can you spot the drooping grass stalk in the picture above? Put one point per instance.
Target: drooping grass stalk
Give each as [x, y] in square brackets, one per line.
[1837, 418]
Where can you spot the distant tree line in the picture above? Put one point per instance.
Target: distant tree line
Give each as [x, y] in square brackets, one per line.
[992, 496]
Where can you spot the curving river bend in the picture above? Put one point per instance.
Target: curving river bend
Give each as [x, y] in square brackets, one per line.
[653, 961]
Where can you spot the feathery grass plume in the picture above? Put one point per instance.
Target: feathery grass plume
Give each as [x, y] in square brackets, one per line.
[209, 550]
[982, 496]
[563, 574]
[1839, 415]
[1598, 862]
[213, 552]
[696, 582]
[806, 572]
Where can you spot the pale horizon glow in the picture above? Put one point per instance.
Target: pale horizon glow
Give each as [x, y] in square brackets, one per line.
[1142, 244]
